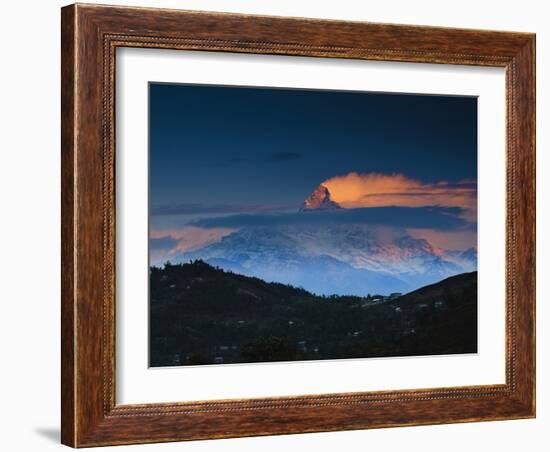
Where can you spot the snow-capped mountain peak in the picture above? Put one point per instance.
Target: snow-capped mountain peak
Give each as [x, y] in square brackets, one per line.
[334, 259]
[319, 199]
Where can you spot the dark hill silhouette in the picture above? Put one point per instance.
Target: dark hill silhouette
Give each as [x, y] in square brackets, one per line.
[200, 314]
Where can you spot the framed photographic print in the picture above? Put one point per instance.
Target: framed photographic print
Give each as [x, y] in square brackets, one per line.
[280, 225]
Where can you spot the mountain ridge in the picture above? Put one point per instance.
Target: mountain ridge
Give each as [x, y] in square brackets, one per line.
[200, 314]
[337, 259]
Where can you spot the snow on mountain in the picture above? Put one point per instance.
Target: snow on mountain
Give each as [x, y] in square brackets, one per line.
[319, 199]
[466, 259]
[334, 259]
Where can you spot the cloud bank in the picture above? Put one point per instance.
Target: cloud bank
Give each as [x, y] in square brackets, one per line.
[360, 190]
[440, 218]
[164, 243]
[217, 209]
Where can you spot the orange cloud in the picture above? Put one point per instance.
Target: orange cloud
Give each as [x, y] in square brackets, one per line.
[188, 238]
[356, 190]
[448, 240]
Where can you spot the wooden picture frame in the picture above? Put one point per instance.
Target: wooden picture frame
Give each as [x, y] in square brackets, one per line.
[90, 36]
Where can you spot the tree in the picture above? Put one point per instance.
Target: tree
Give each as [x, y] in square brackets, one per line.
[269, 348]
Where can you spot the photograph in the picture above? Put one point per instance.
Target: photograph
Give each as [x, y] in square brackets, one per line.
[284, 219]
[292, 224]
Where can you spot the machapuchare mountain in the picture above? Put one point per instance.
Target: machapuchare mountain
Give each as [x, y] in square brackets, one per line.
[319, 199]
[333, 258]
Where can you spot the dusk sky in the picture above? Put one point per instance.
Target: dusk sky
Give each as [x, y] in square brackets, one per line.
[218, 152]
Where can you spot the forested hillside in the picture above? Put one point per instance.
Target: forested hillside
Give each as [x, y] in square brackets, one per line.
[204, 315]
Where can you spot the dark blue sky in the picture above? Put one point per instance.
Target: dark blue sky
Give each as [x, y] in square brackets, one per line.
[217, 146]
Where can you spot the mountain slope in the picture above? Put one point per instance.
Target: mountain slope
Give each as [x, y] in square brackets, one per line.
[445, 313]
[319, 199]
[331, 259]
[202, 315]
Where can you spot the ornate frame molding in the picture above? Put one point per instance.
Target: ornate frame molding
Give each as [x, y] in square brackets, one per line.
[90, 37]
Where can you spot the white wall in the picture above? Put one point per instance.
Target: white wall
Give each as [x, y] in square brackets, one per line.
[29, 184]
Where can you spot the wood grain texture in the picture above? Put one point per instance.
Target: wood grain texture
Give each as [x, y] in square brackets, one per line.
[90, 36]
[67, 226]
